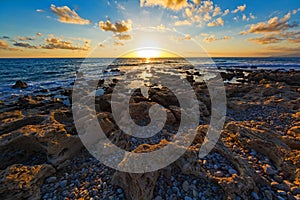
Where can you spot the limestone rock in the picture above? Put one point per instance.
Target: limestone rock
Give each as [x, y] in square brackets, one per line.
[23, 182]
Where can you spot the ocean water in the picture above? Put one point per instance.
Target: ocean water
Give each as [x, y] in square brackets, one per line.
[51, 73]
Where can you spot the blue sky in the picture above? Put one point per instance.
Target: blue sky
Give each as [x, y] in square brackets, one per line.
[219, 27]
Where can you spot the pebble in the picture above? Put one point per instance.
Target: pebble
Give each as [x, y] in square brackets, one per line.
[254, 195]
[280, 198]
[218, 173]
[119, 190]
[185, 186]
[158, 198]
[51, 179]
[281, 192]
[268, 194]
[232, 171]
[295, 190]
[187, 198]
[63, 183]
[268, 169]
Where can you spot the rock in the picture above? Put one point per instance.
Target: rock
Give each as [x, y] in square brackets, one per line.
[158, 198]
[295, 190]
[281, 192]
[282, 186]
[268, 194]
[280, 198]
[187, 198]
[20, 84]
[63, 183]
[219, 174]
[23, 182]
[51, 179]
[185, 186]
[232, 171]
[254, 195]
[268, 169]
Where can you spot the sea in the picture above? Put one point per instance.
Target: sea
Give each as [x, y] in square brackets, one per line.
[42, 74]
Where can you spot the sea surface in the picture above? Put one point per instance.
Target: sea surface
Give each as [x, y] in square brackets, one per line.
[49, 73]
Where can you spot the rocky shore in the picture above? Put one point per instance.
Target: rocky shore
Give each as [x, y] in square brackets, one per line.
[256, 157]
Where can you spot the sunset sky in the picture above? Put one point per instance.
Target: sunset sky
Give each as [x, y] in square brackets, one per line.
[223, 28]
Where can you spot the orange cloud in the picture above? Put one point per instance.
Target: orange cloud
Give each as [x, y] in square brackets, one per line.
[117, 27]
[57, 43]
[273, 25]
[218, 22]
[170, 4]
[66, 15]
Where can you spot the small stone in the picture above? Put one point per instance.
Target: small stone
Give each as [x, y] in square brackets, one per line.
[218, 174]
[195, 193]
[268, 169]
[187, 198]
[254, 195]
[278, 178]
[268, 194]
[51, 179]
[232, 171]
[63, 183]
[119, 190]
[281, 192]
[280, 198]
[158, 198]
[185, 186]
[295, 190]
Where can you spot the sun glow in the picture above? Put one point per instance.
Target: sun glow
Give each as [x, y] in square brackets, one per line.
[148, 53]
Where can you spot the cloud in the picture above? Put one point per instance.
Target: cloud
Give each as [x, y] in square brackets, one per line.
[66, 15]
[183, 23]
[239, 8]
[284, 49]
[57, 43]
[25, 38]
[218, 22]
[226, 12]
[122, 36]
[39, 34]
[295, 11]
[5, 46]
[117, 43]
[117, 27]
[120, 7]
[273, 25]
[212, 38]
[291, 37]
[186, 37]
[25, 45]
[265, 40]
[40, 10]
[217, 11]
[169, 4]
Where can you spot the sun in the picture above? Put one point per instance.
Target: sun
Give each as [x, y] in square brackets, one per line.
[148, 53]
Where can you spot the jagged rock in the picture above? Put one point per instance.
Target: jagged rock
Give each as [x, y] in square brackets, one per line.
[20, 84]
[23, 182]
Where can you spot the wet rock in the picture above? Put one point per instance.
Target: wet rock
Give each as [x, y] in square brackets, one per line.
[20, 84]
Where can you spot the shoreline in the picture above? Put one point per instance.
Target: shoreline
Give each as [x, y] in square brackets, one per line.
[257, 154]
